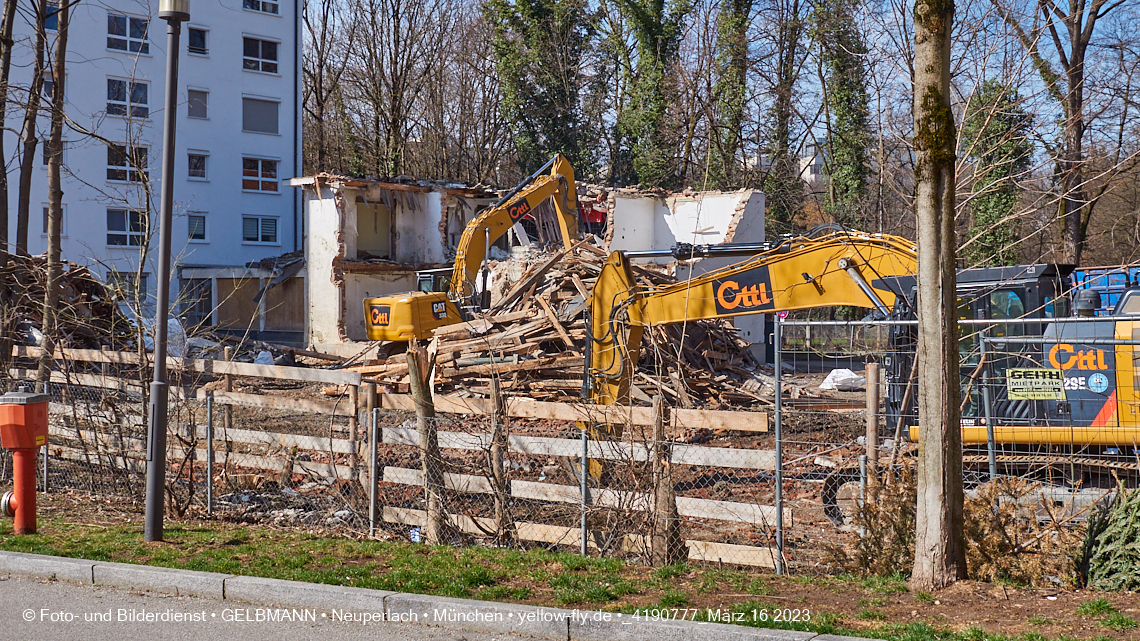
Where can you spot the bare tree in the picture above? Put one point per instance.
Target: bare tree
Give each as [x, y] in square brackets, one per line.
[5, 69]
[28, 133]
[404, 38]
[55, 192]
[940, 551]
[1069, 31]
[329, 37]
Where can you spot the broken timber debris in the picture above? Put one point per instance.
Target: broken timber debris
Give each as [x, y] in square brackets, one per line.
[533, 337]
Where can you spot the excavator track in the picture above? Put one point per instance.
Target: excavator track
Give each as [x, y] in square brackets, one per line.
[1050, 460]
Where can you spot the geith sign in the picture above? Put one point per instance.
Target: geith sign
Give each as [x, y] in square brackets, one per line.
[749, 291]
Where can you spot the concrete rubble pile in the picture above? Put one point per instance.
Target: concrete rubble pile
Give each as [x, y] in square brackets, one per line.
[533, 336]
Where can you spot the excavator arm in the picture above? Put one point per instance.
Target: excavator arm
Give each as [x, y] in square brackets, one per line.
[415, 315]
[494, 221]
[797, 273]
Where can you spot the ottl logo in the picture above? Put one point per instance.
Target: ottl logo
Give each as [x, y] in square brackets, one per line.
[379, 314]
[518, 210]
[749, 291]
[1064, 356]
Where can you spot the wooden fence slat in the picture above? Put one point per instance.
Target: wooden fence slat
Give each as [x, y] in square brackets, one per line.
[708, 551]
[87, 380]
[458, 482]
[609, 450]
[643, 502]
[336, 377]
[559, 535]
[333, 408]
[529, 408]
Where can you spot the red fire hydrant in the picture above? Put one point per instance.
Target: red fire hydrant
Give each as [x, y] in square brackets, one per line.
[23, 429]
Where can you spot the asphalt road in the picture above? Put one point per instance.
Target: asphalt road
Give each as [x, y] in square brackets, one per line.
[45, 610]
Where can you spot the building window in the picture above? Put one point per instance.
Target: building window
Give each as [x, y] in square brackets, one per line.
[196, 299]
[125, 228]
[51, 20]
[259, 55]
[45, 152]
[128, 97]
[197, 103]
[258, 174]
[259, 116]
[258, 230]
[126, 163]
[62, 222]
[260, 5]
[48, 89]
[122, 284]
[197, 165]
[196, 226]
[198, 41]
[125, 33]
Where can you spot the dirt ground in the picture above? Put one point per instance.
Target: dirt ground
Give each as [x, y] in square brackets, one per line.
[859, 603]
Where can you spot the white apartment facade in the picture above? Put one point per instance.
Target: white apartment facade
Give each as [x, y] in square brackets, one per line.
[238, 138]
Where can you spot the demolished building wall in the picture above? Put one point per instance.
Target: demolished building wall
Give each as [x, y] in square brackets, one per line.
[367, 238]
[640, 220]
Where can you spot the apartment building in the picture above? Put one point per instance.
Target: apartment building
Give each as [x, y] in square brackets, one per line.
[239, 138]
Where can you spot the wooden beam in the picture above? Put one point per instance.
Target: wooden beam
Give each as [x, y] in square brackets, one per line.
[557, 325]
[337, 377]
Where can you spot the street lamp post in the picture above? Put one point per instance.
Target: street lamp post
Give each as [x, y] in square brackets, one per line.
[174, 12]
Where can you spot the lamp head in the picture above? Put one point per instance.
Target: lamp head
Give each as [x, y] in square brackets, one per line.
[178, 10]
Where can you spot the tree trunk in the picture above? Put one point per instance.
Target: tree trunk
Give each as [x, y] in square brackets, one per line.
[55, 195]
[419, 371]
[6, 314]
[28, 159]
[939, 558]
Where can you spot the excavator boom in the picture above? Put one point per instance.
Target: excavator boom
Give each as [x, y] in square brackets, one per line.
[799, 273]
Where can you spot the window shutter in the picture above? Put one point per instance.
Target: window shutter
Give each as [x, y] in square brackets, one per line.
[249, 230]
[268, 230]
[259, 116]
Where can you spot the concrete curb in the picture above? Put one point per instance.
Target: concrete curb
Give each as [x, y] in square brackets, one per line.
[455, 614]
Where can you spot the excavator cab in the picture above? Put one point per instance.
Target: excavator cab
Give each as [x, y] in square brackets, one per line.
[1035, 294]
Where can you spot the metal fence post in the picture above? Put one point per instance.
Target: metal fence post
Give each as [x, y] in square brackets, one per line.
[210, 453]
[373, 467]
[987, 405]
[585, 467]
[777, 338]
[862, 490]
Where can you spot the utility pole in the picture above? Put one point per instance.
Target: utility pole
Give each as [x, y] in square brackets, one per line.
[939, 551]
[174, 12]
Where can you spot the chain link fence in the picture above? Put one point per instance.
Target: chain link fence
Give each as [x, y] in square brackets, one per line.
[1054, 410]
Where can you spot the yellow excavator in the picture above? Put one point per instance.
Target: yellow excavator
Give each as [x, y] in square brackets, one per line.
[415, 315]
[829, 266]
